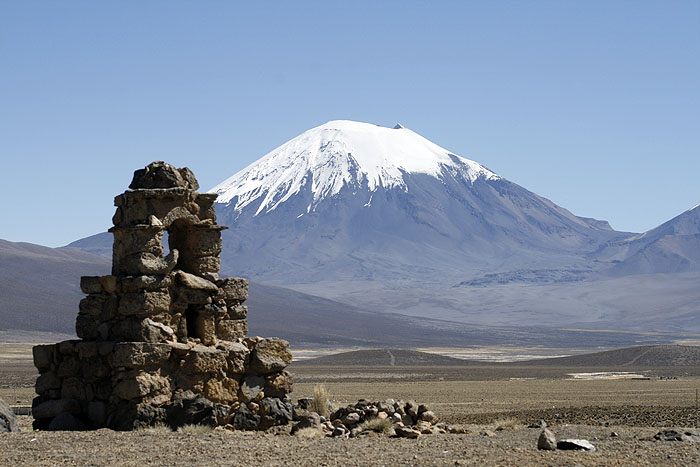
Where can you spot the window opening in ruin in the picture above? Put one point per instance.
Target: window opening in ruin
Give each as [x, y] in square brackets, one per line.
[178, 234]
[165, 243]
[191, 321]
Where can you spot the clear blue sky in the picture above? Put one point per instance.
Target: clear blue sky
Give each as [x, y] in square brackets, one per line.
[592, 104]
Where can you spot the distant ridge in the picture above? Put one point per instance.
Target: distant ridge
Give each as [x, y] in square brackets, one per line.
[643, 356]
[383, 357]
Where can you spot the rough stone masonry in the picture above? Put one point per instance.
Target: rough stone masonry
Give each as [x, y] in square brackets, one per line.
[163, 339]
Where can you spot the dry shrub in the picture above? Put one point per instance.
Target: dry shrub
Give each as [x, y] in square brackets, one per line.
[320, 403]
[310, 433]
[157, 428]
[378, 425]
[197, 429]
[506, 424]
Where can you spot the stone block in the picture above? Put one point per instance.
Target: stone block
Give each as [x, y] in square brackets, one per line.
[194, 282]
[206, 329]
[46, 381]
[141, 384]
[238, 356]
[145, 263]
[91, 285]
[234, 289]
[270, 355]
[73, 388]
[130, 284]
[279, 384]
[66, 347]
[238, 312]
[44, 356]
[87, 327]
[194, 296]
[86, 350]
[229, 329]
[204, 360]
[144, 303]
[51, 408]
[142, 240]
[109, 283]
[68, 367]
[141, 330]
[139, 354]
[224, 391]
[205, 264]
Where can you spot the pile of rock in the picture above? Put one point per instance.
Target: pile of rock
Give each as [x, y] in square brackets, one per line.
[405, 419]
[163, 337]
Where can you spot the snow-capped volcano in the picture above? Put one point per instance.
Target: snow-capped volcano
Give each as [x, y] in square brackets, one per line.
[339, 154]
[356, 201]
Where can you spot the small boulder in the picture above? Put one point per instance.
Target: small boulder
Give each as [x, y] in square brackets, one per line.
[406, 432]
[312, 420]
[547, 441]
[429, 417]
[673, 435]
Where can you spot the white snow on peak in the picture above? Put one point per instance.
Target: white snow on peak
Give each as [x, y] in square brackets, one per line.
[340, 153]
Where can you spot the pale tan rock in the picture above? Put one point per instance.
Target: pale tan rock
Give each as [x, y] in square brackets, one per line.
[141, 384]
[229, 329]
[270, 355]
[223, 391]
[194, 282]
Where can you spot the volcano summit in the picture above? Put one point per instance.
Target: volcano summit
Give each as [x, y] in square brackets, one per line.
[356, 201]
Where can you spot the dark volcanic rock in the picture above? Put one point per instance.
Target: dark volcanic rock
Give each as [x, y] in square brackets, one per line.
[191, 409]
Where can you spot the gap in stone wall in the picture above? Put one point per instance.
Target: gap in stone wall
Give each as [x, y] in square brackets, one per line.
[165, 243]
[191, 321]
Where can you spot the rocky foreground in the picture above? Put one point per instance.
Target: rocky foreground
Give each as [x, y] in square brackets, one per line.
[480, 445]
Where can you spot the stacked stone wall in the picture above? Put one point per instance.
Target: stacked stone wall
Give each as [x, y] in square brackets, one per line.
[163, 339]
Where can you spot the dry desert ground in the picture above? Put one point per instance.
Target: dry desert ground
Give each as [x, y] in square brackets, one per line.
[619, 416]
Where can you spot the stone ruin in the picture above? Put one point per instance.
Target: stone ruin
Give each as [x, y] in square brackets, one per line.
[163, 339]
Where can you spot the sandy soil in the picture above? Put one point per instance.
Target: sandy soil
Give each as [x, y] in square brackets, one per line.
[481, 399]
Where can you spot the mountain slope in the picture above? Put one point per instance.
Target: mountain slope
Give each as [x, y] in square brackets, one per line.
[354, 201]
[40, 286]
[672, 247]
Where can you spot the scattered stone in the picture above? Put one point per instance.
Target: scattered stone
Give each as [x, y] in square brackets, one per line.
[540, 424]
[673, 435]
[575, 445]
[406, 432]
[8, 420]
[429, 416]
[457, 429]
[488, 433]
[547, 441]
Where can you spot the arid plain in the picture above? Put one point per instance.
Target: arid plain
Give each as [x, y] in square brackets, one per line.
[494, 402]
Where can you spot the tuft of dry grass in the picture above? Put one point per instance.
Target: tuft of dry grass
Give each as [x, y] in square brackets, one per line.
[157, 428]
[507, 424]
[309, 433]
[378, 425]
[196, 429]
[320, 403]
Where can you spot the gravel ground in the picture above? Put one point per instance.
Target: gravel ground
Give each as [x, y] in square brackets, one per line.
[508, 447]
